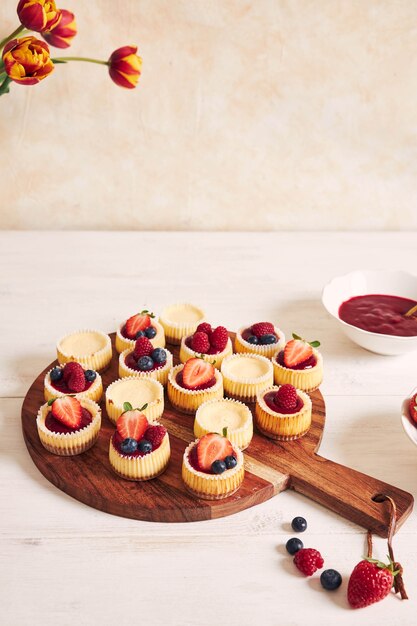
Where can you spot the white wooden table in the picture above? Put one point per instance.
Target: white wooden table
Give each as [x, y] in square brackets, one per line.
[63, 563]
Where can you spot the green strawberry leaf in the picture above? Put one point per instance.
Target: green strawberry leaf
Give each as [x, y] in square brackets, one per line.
[50, 402]
[142, 408]
[314, 344]
[294, 336]
[127, 406]
[224, 431]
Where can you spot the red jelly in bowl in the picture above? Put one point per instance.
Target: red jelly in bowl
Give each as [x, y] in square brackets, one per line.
[382, 314]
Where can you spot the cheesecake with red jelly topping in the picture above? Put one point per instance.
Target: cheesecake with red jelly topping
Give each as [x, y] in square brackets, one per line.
[145, 361]
[72, 379]
[261, 338]
[283, 413]
[193, 383]
[299, 364]
[143, 324]
[212, 344]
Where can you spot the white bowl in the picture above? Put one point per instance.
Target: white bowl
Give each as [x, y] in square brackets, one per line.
[392, 283]
[409, 426]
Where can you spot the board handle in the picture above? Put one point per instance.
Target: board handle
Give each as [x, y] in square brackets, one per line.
[350, 493]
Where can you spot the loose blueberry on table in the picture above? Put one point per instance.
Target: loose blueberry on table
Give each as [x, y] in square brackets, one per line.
[293, 545]
[299, 524]
[208, 340]
[146, 358]
[262, 333]
[139, 325]
[330, 579]
[72, 378]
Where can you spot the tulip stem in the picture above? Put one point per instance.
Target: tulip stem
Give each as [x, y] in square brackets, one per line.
[65, 59]
[14, 34]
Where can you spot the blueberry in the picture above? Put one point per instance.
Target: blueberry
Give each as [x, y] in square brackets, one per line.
[150, 332]
[90, 375]
[293, 545]
[129, 445]
[140, 333]
[330, 579]
[56, 374]
[145, 363]
[231, 461]
[218, 467]
[267, 339]
[159, 355]
[252, 339]
[144, 446]
[299, 524]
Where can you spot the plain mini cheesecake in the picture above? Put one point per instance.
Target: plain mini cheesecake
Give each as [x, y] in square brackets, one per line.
[91, 348]
[193, 383]
[244, 375]
[143, 324]
[283, 413]
[180, 320]
[299, 364]
[138, 392]
[211, 344]
[261, 338]
[72, 379]
[227, 415]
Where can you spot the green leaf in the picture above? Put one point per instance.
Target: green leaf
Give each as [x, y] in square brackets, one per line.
[142, 408]
[224, 431]
[314, 344]
[50, 402]
[294, 336]
[127, 406]
[57, 62]
[4, 87]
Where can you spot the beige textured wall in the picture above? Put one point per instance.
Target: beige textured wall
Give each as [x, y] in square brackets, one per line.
[260, 114]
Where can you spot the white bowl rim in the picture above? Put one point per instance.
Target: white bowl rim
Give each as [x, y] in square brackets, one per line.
[405, 415]
[398, 338]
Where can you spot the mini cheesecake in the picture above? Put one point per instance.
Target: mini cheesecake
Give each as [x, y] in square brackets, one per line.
[245, 375]
[247, 341]
[191, 347]
[91, 348]
[93, 389]
[128, 367]
[299, 364]
[137, 392]
[283, 413]
[186, 393]
[217, 415]
[141, 324]
[180, 320]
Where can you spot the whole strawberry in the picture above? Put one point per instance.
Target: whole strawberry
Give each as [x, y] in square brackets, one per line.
[370, 582]
[308, 561]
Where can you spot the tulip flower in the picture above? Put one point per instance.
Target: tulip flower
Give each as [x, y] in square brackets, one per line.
[38, 15]
[27, 61]
[125, 67]
[62, 35]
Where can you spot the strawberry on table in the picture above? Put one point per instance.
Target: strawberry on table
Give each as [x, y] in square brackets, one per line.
[138, 322]
[68, 411]
[212, 447]
[132, 424]
[370, 582]
[196, 372]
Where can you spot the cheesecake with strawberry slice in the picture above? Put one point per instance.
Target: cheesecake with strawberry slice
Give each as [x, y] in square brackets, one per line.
[143, 324]
[212, 344]
[68, 426]
[299, 364]
[191, 384]
[261, 338]
[212, 468]
[138, 450]
[72, 379]
[283, 413]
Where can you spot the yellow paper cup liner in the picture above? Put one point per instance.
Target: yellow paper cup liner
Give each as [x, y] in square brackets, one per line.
[216, 359]
[188, 400]
[70, 444]
[280, 426]
[212, 486]
[214, 415]
[242, 346]
[180, 320]
[136, 391]
[239, 380]
[306, 380]
[160, 374]
[97, 354]
[123, 344]
[94, 392]
[142, 467]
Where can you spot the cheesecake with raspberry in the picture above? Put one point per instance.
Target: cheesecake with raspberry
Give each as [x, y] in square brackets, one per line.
[191, 384]
[145, 392]
[299, 364]
[68, 426]
[138, 450]
[225, 415]
[212, 468]
[145, 361]
[180, 320]
[261, 338]
[72, 379]
[283, 413]
[212, 344]
[91, 348]
[143, 324]
[244, 375]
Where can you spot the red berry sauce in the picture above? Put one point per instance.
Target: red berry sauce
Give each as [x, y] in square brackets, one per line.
[380, 314]
[133, 364]
[305, 365]
[248, 333]
[211, 350]
[206, 385]
[270, 402]
[117, 440]
[124, 334]
[61, 385]
[56, 426]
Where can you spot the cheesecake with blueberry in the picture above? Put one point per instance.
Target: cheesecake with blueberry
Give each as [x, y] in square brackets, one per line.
[180, 320]
[138, 450]
[145, 360]
[72, 379]
[244, 375]
[91, 348]
[283, 413]
[212, 344]
[299, 364]
[143, 324]
[194, 382]
[68, 426]
[225, 415]
[212, 468]
[261, 338]
[143, 391]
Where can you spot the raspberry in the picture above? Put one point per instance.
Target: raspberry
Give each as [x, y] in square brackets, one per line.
[155, 435]
[308, 561]
[143, 347]
[71, 368]
[76, 382]
[204, 327]
[200, 342]
[263, 328]
[218, 338]
[286, 397]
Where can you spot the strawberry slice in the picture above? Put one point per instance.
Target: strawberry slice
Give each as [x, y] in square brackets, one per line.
[413, 408]
[212, 447]
[132, 424]
[68, 411]
[138, 322]
[196, 372]
[296, 351]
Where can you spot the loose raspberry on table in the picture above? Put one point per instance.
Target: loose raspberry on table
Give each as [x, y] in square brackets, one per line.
[308, 561]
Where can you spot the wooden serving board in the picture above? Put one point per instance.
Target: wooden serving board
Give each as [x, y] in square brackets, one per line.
[270, 467]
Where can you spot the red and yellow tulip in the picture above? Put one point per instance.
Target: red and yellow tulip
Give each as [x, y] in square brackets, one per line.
[125, 67]
[62, 35]
[38, 15]
[27, 61]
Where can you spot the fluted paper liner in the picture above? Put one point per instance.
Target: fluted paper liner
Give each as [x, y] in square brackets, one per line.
[94, 392]
[155, 407]
[70, 444]
[144, 467]
[188, 400]
[160, 374]
[245, 388]
[97, 360]
[175, 331]
[216, 359]
[280, 426]
[243, 346]
[212, 486]
[240, 436]
[306, 380]
[128, 344]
